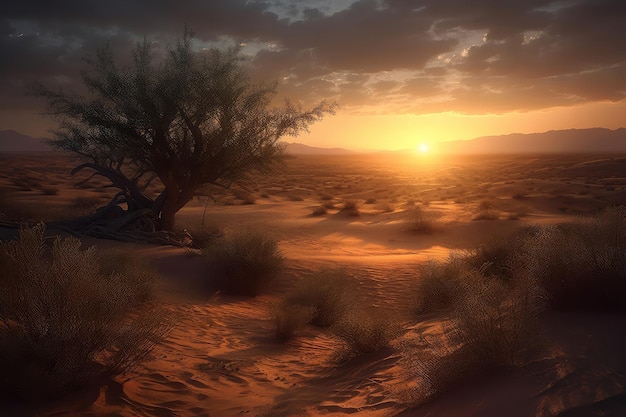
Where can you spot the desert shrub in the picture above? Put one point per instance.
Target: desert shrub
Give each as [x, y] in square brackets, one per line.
[329, 205]
[326, 197]
[136, 272]
[351, 208]
[437, 364]
[496, 322]
[327, 291]
[244, 263]
[365, 331]
[288, 318]
[486, 211]
[205, 236]
[439, 285]
[63, 321]
[319, 211]
[582, 264]
[503, 256]
[491, 326]
[370, 200]
[418, 221]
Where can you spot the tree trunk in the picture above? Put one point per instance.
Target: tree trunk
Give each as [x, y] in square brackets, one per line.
[168, 214]
[174, 201]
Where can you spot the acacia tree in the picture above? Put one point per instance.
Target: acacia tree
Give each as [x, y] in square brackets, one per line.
[192, 118]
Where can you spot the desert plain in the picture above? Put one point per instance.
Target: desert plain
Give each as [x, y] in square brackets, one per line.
[379, 217]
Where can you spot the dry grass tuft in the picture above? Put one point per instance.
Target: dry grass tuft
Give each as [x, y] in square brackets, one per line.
[351, 208]
[419, 221]
[319, 211]
[582, 265]
[365, 331]
[486, 211]
[288, 318]
[244, 263]
[65, 321]
[327, 292]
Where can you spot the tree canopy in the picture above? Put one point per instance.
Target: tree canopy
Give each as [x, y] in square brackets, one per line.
[191, 118]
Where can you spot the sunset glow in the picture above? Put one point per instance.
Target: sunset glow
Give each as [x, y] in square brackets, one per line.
[441, 69]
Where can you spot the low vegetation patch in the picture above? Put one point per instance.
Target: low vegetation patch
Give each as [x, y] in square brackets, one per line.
[66, 319]
[365, 331]
[582, 265]
[486, 211]
[289, 318]
[419, 221]
[244, 263]
[351, 208]
[319, 211]
[327, 292]
[491, 298]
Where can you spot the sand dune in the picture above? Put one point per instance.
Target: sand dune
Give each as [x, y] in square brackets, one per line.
[221, 358]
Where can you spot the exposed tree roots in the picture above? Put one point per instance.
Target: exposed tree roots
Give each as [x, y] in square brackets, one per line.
[140, 226]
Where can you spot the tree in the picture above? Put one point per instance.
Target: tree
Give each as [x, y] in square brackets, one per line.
[190, 119]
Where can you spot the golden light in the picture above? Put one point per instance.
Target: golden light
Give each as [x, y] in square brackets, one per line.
[423, 148]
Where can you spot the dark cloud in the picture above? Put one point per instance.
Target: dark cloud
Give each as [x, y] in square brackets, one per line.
[417, 55]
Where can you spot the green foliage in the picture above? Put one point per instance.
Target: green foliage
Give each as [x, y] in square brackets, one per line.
[64, 321]
[244, 263]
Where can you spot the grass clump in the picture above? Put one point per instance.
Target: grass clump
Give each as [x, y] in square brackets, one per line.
[491, 306]
[64, 320]
[439, 285]
[582, 265]
[365, 331]
[326, 292]
[289, 318]
[351, 208]
[205, 236]
[319, 211]
[486, 211]
[418, 221]
[244, 263]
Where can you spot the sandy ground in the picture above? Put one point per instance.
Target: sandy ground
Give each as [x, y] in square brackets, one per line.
[221, 358]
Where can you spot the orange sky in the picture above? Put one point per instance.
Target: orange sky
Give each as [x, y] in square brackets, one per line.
[403, 72]
[373, 132]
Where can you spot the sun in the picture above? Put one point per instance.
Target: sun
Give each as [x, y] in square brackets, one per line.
[423, 148]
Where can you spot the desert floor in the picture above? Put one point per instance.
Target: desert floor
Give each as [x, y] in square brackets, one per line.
[221, 359]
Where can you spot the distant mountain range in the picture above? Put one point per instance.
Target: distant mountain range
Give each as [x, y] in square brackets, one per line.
[302, 149]
[12, 141]
[596, 140]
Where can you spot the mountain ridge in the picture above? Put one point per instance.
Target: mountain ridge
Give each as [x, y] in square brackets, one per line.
[592, 140]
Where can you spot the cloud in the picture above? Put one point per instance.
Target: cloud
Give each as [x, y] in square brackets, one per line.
[416, 56]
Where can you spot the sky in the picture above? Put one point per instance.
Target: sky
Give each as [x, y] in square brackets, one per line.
[403, 72]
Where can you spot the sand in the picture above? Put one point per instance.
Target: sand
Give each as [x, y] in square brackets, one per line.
[221, 358]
